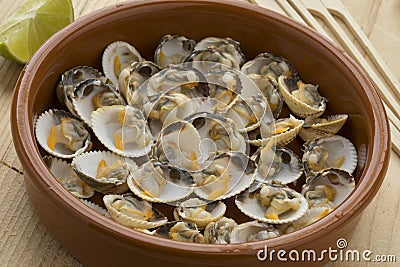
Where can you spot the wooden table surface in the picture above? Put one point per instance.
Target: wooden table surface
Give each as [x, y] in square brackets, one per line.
[25, 241]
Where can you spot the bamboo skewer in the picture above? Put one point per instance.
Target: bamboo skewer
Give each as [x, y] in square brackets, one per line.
[337, 8]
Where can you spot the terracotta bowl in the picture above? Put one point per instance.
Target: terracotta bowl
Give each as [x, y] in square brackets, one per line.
[99, 241]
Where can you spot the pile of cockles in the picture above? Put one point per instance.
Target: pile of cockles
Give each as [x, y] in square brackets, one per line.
[193, 128]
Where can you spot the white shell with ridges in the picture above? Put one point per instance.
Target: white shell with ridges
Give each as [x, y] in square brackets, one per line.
[45, 122]
[252, 207]
[337, 146]
[116, 57]
[170, 191]
[129, 221]
[298, 107]
[66, 176]
[86, 166]
[105, 124]
[239, 167]
[322, 129]
[215, 209]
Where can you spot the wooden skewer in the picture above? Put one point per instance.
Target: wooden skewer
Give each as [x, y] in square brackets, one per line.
[337, 8]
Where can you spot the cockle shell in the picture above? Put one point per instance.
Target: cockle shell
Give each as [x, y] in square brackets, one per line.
[224, 85]
[116, 57]
[249, 204]
[199, 212]
[179, 79]
[69, 80]
[157, 182]
[226, 176]
[180, 145]
[219, 130]
[219, 232]
[340, 184]
[247, 113]
[312, 215]
[329, 152]
[180, 231]
[269, 88]
[96, 207]
[253, 231]
[227, 45]
[66, 176]
[127, 132]
[283, 130]
[266, 64]
[133, 212]
[132, 77]
[316, 128]
[92, 94]
[211, 54]
[279, 164]
[173, 49]
[298, 106]
[62, 134]
[91, 168]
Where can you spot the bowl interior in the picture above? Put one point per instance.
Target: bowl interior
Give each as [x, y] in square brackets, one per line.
[258, 31]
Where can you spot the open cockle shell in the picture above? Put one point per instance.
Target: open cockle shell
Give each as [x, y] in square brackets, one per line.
[339, 184]
[170, 107]
[269, 88]
[287, 88]
[173, 49]
[279, 164]
[226, 176]
[224, 85]
[104, 171]
[211, 54]
[219, 232]
[283, 130]
[157, 182]
[199, 212]
[220, 131]
[180, 231]
[180, 79]
[93, 94]
[261, 135]
[227, 45]
[249, 203]
[267, 64]
[329, 152]
[247, 113]
[133, 212]
[69, 80]
[131, 78]
[180, 145]
[116, 57]
[315, 128]
[253, 231]
[62, 134]
[127, 132]
[66, 176]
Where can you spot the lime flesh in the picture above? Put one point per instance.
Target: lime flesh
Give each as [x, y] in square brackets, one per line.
[25, 30]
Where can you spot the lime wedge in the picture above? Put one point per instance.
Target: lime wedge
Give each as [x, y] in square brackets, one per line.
[24, 31]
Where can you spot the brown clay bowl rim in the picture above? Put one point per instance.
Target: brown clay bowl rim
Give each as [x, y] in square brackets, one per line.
[28, 153]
